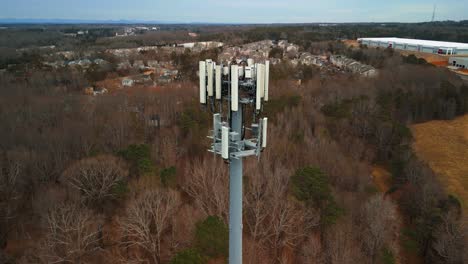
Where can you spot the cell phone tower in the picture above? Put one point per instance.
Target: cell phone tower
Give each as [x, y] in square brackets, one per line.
[229, 91]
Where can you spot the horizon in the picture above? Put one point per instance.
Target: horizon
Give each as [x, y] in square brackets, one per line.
[71, 21]
[239, 12]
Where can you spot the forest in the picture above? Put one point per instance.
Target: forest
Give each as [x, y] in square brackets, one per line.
[92, 180]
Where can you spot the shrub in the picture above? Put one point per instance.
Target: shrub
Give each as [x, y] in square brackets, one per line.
[168, 176]
[139, 157]
[192, 120]
[212, 237]
[188, 256]
[387, 256]
[311, 186]
[276, 52]
[409, 241]
[120, 189]
[337, 110]
[278, 105]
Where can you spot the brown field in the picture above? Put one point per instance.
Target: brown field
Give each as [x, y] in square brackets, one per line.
[436, 59]
[444, 146]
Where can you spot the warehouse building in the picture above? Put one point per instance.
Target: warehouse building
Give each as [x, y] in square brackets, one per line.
[459, 62]
[427, 46]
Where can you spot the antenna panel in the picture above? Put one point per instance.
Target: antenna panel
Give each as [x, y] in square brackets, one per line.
[202, 74]
[248, 72]
[216, 126]
[218, 81]
[260, 86]
[264, 132]
[209, 68]
[225, 142]
[234, 88]
[267, 80]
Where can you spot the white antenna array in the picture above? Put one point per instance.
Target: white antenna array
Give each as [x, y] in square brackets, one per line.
[240, 86]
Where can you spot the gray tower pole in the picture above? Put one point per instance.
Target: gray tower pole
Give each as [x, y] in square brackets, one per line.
[235, 196]
[228, 140]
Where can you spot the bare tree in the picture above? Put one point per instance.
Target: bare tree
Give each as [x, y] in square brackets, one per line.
[342, 243]
[11, 191]
[207, 183]
[450, 239]
[311, 251]
[96, 177]
[72, 234]
[274, 219]
[379, 220]
[148, 217]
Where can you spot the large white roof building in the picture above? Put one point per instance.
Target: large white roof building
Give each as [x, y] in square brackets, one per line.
[428, 46]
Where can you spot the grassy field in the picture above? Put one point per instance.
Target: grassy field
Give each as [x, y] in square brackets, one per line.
[444, 146]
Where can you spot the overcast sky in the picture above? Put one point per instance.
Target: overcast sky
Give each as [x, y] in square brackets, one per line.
[238, 11]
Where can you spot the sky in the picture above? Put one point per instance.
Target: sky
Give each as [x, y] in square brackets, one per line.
[237, 11]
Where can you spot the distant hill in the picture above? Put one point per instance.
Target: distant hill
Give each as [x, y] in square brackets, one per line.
[81, 21]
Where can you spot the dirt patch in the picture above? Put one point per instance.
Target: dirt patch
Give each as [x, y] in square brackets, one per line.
[440, 63]
[436, 59]
[444, 146]
[351, 43]
[382, 178]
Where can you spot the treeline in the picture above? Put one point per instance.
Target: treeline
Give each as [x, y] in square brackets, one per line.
[305, 34]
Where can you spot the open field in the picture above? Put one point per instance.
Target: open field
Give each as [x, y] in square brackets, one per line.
[436, 59]
[444, 146]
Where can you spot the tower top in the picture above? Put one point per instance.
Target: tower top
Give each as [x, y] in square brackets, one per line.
[229, 90]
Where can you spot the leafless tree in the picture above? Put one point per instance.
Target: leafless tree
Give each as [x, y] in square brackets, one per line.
[450, 239]
[274, 219]
[9, 193]
[342, 243]
[96, 177]
[72, 234]
[378, 223]
[15, 185]
[148, 217]
[207, 183]
[311, 251]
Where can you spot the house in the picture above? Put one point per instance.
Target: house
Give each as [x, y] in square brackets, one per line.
[99, 91]
[128, 82]
[142, 79]
[88, 90]
[124, 65]
[154, 120]
[95, 91]
[165, 79]
[99, 61]
[353, 66]
[152, 63]
[283, 43]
